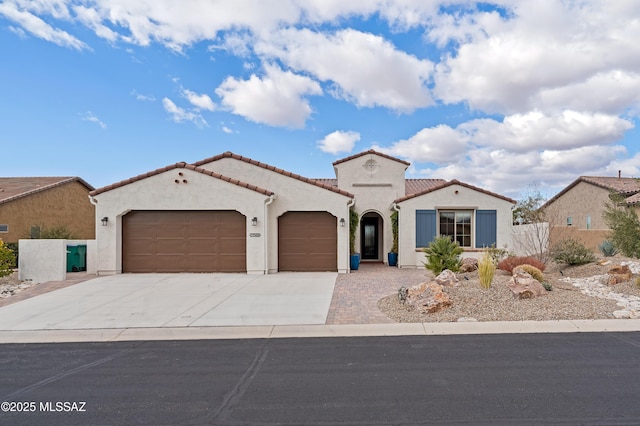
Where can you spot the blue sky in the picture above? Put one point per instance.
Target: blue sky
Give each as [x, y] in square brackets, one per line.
[501, 95]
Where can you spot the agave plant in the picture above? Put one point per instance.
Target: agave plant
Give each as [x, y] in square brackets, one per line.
[607, 248]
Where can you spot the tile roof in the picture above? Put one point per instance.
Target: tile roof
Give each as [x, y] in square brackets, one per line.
[181, 165]
[315, 182]
[371, 151]
[411, 186]
[445, 184]
[628, 187]
[12, 188]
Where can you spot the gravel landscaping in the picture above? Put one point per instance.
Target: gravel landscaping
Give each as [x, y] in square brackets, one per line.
[564, 302]
[11, 285]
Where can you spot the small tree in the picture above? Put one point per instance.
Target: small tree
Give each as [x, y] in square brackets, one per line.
[394, 231]
[354, 220]
[529, 212]
[624, 225]
[7, 260]
[443, 253]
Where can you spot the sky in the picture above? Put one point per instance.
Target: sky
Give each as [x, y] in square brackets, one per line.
[511, 96]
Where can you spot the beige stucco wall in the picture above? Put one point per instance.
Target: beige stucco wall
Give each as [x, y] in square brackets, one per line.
[583, 200]
[66, 205]
[291, 195]
[451, 197]
[160, 192]
[374, 191]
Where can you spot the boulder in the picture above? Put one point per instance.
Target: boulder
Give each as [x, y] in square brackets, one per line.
[428, 298]
[524, 286]
[619, 274]
[447, 279]
[469, 264]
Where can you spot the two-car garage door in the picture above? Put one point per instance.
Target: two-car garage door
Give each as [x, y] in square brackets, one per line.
[184, 241]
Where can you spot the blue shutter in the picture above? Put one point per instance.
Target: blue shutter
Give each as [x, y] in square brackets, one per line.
[425, 227]
[486, 228]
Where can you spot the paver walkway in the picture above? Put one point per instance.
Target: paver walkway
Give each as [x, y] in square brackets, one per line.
[356, 295]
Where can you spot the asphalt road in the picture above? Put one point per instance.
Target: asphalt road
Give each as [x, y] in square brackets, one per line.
[590, 378]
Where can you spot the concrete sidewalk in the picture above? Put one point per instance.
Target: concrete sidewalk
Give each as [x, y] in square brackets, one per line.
[290, 331]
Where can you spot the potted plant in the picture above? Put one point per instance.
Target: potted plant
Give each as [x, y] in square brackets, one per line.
[392, 256]
[354, 219]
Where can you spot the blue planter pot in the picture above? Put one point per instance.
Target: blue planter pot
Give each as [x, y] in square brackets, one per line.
[392, 258]
[355, 261]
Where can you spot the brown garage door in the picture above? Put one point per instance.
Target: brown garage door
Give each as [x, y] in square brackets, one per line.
[307, 241]
[184, 241]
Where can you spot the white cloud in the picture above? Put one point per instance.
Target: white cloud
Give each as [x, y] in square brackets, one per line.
[365, 68]
[18, 13]
[440, 144]
[89, 116]
[179, 115]
[141, 97]
[277, 99]
[200, 101]
[339, 142]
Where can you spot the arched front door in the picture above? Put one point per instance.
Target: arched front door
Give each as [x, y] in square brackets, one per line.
[371, 236]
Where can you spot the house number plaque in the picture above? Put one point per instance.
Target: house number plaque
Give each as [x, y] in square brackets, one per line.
[254, 234]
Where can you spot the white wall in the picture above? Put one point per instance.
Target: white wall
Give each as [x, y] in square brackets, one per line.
[374, 191]
[46, 260]
[292, 195]
[161, 192]
[451, 197]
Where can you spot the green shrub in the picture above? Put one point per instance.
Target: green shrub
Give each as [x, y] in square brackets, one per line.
[512, 261]
[531, 270]
[7, 260]
[354, 221]
[572, 252]
[394, 231]
[14, 247]
[547, 286]
[56, 233]
[607, 248]
[497, 254]
[486, 270]
[624, 224]
[443, 253]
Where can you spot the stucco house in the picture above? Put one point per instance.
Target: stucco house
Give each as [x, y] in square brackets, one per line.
[576, 211]
[230, 213]
[28, 204]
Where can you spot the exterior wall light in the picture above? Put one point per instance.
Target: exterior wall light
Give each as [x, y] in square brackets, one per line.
[105, 221]
[342, 222]
[254, 221]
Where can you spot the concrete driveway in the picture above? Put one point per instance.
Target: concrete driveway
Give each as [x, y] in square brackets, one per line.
[177, 300]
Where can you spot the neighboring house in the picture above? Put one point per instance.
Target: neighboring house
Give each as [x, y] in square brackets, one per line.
[230, 213]
[576, 211]
[28, 204]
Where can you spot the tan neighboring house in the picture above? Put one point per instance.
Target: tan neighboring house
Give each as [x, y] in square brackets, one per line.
[230, 213]
[576, 211]
[28, 204]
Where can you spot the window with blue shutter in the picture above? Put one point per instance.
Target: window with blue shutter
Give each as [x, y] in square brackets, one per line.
[425, 227]
[486, 228]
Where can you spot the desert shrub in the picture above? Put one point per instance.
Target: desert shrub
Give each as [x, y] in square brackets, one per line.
[497, 254]
[443, 253]
[547, 286]
[607, 248]
[7, 260]
[531, 270]
[486, 270]
[511, 262]
[56, 233]
[624, 224]
[14, 247]
[572, 252]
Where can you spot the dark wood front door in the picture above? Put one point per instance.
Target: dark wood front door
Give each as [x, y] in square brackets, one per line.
[369, 238]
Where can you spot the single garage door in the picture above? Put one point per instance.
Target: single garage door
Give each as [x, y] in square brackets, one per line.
[307, 241]
[184, 241]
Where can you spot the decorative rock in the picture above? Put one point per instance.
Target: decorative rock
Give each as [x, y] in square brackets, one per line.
[467, 319]
[619, 274]
[622, 314]
[447, 279]
[604, 262]
[469, 264]
[524, 286]
[428, 298]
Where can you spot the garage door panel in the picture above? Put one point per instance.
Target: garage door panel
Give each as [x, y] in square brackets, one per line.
[184, 241]
[307, 241]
